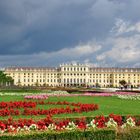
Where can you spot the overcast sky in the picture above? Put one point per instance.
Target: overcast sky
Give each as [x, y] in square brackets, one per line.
[51, 32]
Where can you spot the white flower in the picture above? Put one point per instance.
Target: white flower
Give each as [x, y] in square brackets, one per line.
[71, 126]
[1, 131]
[33, 127]
[18, 129]
[92, 124]
[12, 128]
[130, 122]
[26, 128]
[52, 127]
[129, 97]
[123, 126]
[111, 123]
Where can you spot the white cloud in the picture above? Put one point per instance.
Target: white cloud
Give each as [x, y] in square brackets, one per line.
[124, 49]
[122, 26]
[79, 50]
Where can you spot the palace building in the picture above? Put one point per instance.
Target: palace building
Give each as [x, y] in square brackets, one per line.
[73, 75]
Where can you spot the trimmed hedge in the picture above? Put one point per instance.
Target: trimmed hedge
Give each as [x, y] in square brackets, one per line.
[130, 134]
[102, 134]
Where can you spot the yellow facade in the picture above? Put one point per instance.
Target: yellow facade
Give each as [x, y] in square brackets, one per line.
[73, 75]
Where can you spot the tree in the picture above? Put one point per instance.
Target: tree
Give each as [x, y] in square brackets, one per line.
[5, 80]
[123, 83]
[97, 85]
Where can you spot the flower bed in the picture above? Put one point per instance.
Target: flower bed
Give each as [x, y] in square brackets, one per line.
[49, 92]
[41, 96]
[110, 94]
[45, 96]
[129, 97]
[48, 124]
[11, 108]
[18, 104]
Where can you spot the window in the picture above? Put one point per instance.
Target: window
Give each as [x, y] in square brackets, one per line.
[67, 80]
[77, 80]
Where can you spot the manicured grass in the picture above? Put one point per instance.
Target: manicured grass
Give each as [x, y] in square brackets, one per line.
[107, 105]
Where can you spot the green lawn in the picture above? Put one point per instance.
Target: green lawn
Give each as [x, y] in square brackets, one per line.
[107, 105]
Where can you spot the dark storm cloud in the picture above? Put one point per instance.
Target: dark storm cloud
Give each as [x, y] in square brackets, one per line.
[34, 26]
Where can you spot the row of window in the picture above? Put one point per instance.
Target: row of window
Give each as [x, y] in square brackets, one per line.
[54, 74]
[74, 69]
[39, 80]
[115, 74]
[75, 74]
[74, 80]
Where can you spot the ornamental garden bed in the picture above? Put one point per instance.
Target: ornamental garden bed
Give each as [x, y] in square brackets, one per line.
[68, 117]
[30, 108]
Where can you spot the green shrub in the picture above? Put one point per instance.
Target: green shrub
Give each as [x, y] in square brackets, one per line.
[131, 134]
[102, 134]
